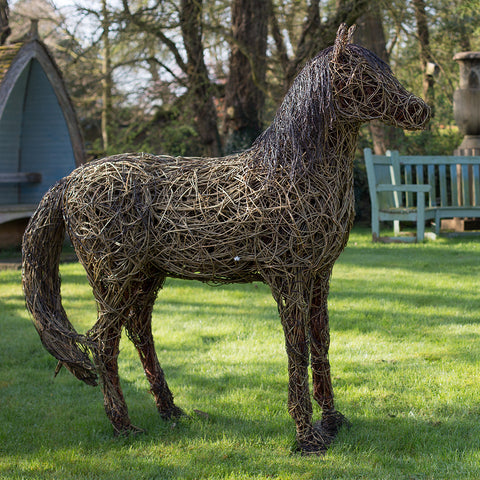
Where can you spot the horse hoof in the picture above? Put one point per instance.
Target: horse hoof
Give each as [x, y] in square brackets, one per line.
[322, 434]
[174, 412]
[331, 423]
[127, 430]
[314, 444]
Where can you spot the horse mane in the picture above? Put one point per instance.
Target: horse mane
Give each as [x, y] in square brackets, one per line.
[297, 138]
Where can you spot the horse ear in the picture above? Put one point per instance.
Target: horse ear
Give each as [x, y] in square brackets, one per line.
[341, 41]
[350, 33]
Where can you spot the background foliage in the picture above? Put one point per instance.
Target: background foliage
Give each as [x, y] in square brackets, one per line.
[195, 77]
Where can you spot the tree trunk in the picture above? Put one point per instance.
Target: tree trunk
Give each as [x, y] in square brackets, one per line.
[199, 85]
[316, 34]
[4, 26]
[106, 78]
[425, 52]
[370, 34]
[245, 89]
[312, 39]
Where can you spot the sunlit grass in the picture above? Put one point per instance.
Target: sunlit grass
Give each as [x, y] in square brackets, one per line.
[405, 363]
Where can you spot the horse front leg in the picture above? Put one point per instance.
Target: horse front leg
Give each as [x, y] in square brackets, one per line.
[292, 300]
[319, 345]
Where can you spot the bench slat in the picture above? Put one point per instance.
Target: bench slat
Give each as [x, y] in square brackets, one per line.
[439, 160]
[442, 180]
[466, 200]
[386, 187]
[476, 184]
[419, 174]
[454, 185]
[408, 180]
[432, 198]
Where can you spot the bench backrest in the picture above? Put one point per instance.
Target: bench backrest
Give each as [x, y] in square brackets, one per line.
[455, 180]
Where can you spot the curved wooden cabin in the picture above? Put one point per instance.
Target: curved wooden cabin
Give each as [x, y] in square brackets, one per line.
[40, 139]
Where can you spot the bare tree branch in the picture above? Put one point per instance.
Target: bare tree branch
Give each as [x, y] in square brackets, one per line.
[136, 18]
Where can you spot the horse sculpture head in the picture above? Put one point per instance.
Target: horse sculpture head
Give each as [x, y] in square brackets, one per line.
[364, 88]
[342, 87]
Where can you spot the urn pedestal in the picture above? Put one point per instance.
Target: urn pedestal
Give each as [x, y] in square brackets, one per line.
[466, 103]
[466, 111]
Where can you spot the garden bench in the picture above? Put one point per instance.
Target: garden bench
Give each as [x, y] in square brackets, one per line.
[15, 211]
[420, 188]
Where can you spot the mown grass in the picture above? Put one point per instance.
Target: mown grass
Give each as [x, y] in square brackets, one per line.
[405, 361]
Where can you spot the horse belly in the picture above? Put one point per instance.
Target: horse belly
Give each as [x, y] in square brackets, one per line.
[209, 258]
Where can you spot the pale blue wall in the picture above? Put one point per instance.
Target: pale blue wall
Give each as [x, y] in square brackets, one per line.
[45, 141]
[10, 128]
[33, 136]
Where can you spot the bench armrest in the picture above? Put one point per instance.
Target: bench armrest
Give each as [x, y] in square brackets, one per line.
[386, 187]
[21, 177]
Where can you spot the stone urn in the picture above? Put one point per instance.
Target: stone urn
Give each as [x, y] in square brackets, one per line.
[466, 102]
[466, 110]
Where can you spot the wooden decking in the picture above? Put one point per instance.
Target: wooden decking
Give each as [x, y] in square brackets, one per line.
[16, 211]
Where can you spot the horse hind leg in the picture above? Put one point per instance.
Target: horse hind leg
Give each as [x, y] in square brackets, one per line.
[105, 340]
[139, 330]
[114, 302]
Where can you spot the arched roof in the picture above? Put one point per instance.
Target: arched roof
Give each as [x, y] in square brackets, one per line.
[14, 59]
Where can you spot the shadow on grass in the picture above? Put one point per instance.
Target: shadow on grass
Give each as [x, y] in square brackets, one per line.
[247, 428]
[424, 258]
[51, 429]
[218, 446]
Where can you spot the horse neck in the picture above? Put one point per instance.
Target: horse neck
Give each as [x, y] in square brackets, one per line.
[299, 144]
[340, 145]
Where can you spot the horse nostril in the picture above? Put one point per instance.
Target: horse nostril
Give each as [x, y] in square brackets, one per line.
[423, 114]
[419, 112]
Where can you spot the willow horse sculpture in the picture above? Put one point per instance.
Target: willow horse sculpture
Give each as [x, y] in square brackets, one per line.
[279, 213]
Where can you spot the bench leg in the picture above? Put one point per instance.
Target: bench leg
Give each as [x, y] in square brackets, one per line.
[420, 231]
[375, 226]
[396, 227]
[420, 217]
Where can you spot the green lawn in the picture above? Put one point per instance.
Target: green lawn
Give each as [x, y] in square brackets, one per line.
[405, 361]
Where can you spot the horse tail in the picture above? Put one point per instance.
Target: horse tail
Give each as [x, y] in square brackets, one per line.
[42, 245]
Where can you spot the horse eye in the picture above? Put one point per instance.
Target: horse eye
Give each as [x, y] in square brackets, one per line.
[357, 92]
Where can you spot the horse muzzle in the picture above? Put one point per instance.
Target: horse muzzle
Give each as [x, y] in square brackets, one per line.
[414, 115]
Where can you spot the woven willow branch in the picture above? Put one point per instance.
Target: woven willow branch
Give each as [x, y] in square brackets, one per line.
[279, 212]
